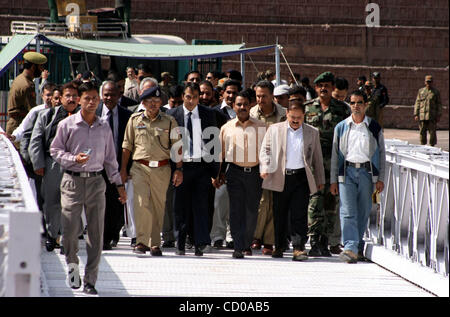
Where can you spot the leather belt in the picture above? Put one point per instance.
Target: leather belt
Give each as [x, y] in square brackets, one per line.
[246, 169]
[358, 165]
[83, 174]
[153, 163]
[288, 171]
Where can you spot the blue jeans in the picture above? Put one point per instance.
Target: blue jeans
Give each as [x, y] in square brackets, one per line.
[356, 203]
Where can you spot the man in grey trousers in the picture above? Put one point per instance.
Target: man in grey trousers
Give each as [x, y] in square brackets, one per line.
[83, 146]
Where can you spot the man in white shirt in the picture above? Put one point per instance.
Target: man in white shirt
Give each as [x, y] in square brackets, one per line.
[357, 163]
[291, 166]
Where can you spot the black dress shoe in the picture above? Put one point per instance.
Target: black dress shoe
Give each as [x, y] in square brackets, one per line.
[133, 242]
[277, 253]
[238, 255]
[315, 251]
[198, 252]
[89, 289]
[180, 252]
[156, 251]
[218, 244]
[50, 244]
[107, 247]
[114, 243]
[168, 244]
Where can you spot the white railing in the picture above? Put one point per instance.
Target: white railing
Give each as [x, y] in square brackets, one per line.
[103, 29]
[20, 226]
[412, 220]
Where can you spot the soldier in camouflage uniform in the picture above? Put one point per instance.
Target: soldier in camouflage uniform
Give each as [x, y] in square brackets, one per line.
[373, 101]
[324, 113]
[428, 110]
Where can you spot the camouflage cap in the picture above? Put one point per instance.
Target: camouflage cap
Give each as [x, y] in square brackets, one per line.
[35, 58]
[428, 78]
[324, 77]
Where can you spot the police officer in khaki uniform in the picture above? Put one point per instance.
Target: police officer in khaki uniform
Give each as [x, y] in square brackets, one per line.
[149, 139]
[324, 113]
[428, 110]
[22, 95]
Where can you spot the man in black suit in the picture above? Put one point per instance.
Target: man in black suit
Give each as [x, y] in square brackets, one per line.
[199, 166]
[220, 224]
[117, 118]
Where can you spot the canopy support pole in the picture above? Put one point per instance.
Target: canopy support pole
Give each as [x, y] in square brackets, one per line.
[36, 80]
[277, 63]
[243, 69]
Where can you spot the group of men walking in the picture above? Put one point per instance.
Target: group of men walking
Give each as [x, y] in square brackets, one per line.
[287, 174]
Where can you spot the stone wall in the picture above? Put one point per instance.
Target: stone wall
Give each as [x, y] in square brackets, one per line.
[392, 12]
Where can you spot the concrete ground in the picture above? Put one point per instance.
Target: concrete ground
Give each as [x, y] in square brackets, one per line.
[412, 136]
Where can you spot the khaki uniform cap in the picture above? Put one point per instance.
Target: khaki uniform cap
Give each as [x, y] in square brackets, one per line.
[35, 58]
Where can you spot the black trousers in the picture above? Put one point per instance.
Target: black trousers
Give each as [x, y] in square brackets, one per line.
[114, 213]
[191, 205]
[244, 191]
[293, 199]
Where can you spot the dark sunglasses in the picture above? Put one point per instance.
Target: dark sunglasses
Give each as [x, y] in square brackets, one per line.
[357, 102]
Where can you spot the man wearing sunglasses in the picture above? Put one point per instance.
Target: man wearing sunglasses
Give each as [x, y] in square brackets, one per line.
[357, 166]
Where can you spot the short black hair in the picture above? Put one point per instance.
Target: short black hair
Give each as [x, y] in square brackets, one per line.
[362, 78]
[176, 91]
[231, 82]
[341, 83]
[192, 72]
[192, 86]
[87, 86]
[305, 80]
[206, 82]
[296, 104]
[71, 85]
[86, 75]
[236, 75]
[265, 84]
[244, 94]
[252, 94]
[359, 93]
[145, 68]
[49, 86]
[297, 90]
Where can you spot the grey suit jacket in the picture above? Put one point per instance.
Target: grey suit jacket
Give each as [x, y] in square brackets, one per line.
[272, 157]
[40, 136]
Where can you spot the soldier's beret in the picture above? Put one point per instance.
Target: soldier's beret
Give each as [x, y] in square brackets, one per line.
[324, 77]
[428, 78]
[151, 92]
[35, 58]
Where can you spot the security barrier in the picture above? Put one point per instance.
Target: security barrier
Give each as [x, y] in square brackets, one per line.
[413, 216]
[19, 228]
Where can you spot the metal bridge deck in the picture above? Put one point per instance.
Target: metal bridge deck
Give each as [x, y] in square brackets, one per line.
[217, 274]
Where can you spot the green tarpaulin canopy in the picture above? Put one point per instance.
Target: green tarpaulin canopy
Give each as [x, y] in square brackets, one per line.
[126, 49]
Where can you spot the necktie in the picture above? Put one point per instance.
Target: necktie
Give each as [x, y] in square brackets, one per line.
[111, 124]
[111, 120]
[191, 136]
